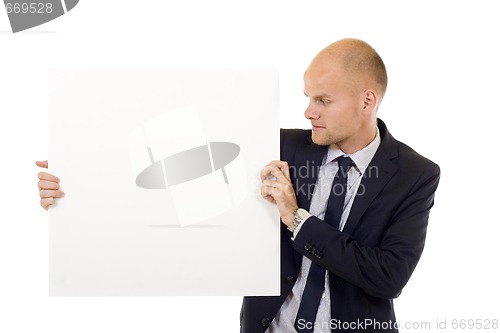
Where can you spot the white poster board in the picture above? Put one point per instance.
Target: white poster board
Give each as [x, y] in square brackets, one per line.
[161, 174]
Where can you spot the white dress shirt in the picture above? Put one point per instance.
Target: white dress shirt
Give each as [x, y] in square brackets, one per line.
[285, 318]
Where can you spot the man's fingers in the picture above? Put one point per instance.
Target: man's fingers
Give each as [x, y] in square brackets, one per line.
[51, 194]
[270, 199]
[278, 163]
[47, 176]
[46, 185]
[276, 189]
[265, 192]
[285, 169]
[271, 171]
[46, 202]
[277, 169]
[42, 164]
[283, 166]
[269, 183]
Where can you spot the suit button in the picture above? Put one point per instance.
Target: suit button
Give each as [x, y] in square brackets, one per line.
[307, 247]
[290, 279]
[318, 254]
[266, 322]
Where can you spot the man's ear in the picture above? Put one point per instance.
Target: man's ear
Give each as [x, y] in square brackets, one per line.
[369, 100]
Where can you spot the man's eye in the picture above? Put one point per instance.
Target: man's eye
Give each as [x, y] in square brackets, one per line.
[324, 101]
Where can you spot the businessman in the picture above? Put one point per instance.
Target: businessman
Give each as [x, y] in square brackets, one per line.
[354, 205]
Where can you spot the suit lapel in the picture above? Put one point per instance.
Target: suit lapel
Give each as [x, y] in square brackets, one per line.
[381, 169]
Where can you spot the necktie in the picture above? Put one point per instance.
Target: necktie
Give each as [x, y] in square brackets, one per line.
[315, 284]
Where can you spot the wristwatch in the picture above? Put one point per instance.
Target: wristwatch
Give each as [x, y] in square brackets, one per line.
[299, 216]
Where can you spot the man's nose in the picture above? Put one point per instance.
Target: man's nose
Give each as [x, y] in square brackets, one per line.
[311, 112]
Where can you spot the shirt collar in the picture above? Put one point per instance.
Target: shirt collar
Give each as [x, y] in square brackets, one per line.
[361, 158]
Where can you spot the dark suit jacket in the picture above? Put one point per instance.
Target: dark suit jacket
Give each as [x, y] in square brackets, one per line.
[373, 258]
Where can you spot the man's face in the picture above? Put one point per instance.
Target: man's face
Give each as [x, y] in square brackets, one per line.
[335, 103]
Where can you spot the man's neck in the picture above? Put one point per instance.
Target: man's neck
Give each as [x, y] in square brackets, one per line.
[358, 142]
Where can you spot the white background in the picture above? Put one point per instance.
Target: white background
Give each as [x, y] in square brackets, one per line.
[442, 59]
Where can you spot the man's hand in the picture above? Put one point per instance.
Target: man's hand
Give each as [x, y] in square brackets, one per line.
[48, 186]
[277, 188]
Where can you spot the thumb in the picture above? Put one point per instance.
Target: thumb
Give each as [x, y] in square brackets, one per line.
[43, 164]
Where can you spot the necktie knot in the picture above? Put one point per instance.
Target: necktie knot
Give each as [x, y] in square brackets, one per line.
[345, 163]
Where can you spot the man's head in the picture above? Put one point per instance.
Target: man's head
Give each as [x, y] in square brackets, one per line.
[345, 83]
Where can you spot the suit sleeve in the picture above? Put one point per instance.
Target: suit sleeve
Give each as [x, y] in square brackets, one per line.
[383, 270]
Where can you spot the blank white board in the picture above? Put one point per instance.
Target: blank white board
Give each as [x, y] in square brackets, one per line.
[161, 174]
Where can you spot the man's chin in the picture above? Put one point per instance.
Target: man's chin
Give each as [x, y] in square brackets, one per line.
[320, 141]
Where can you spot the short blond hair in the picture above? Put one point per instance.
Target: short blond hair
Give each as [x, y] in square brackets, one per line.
[359, 59]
